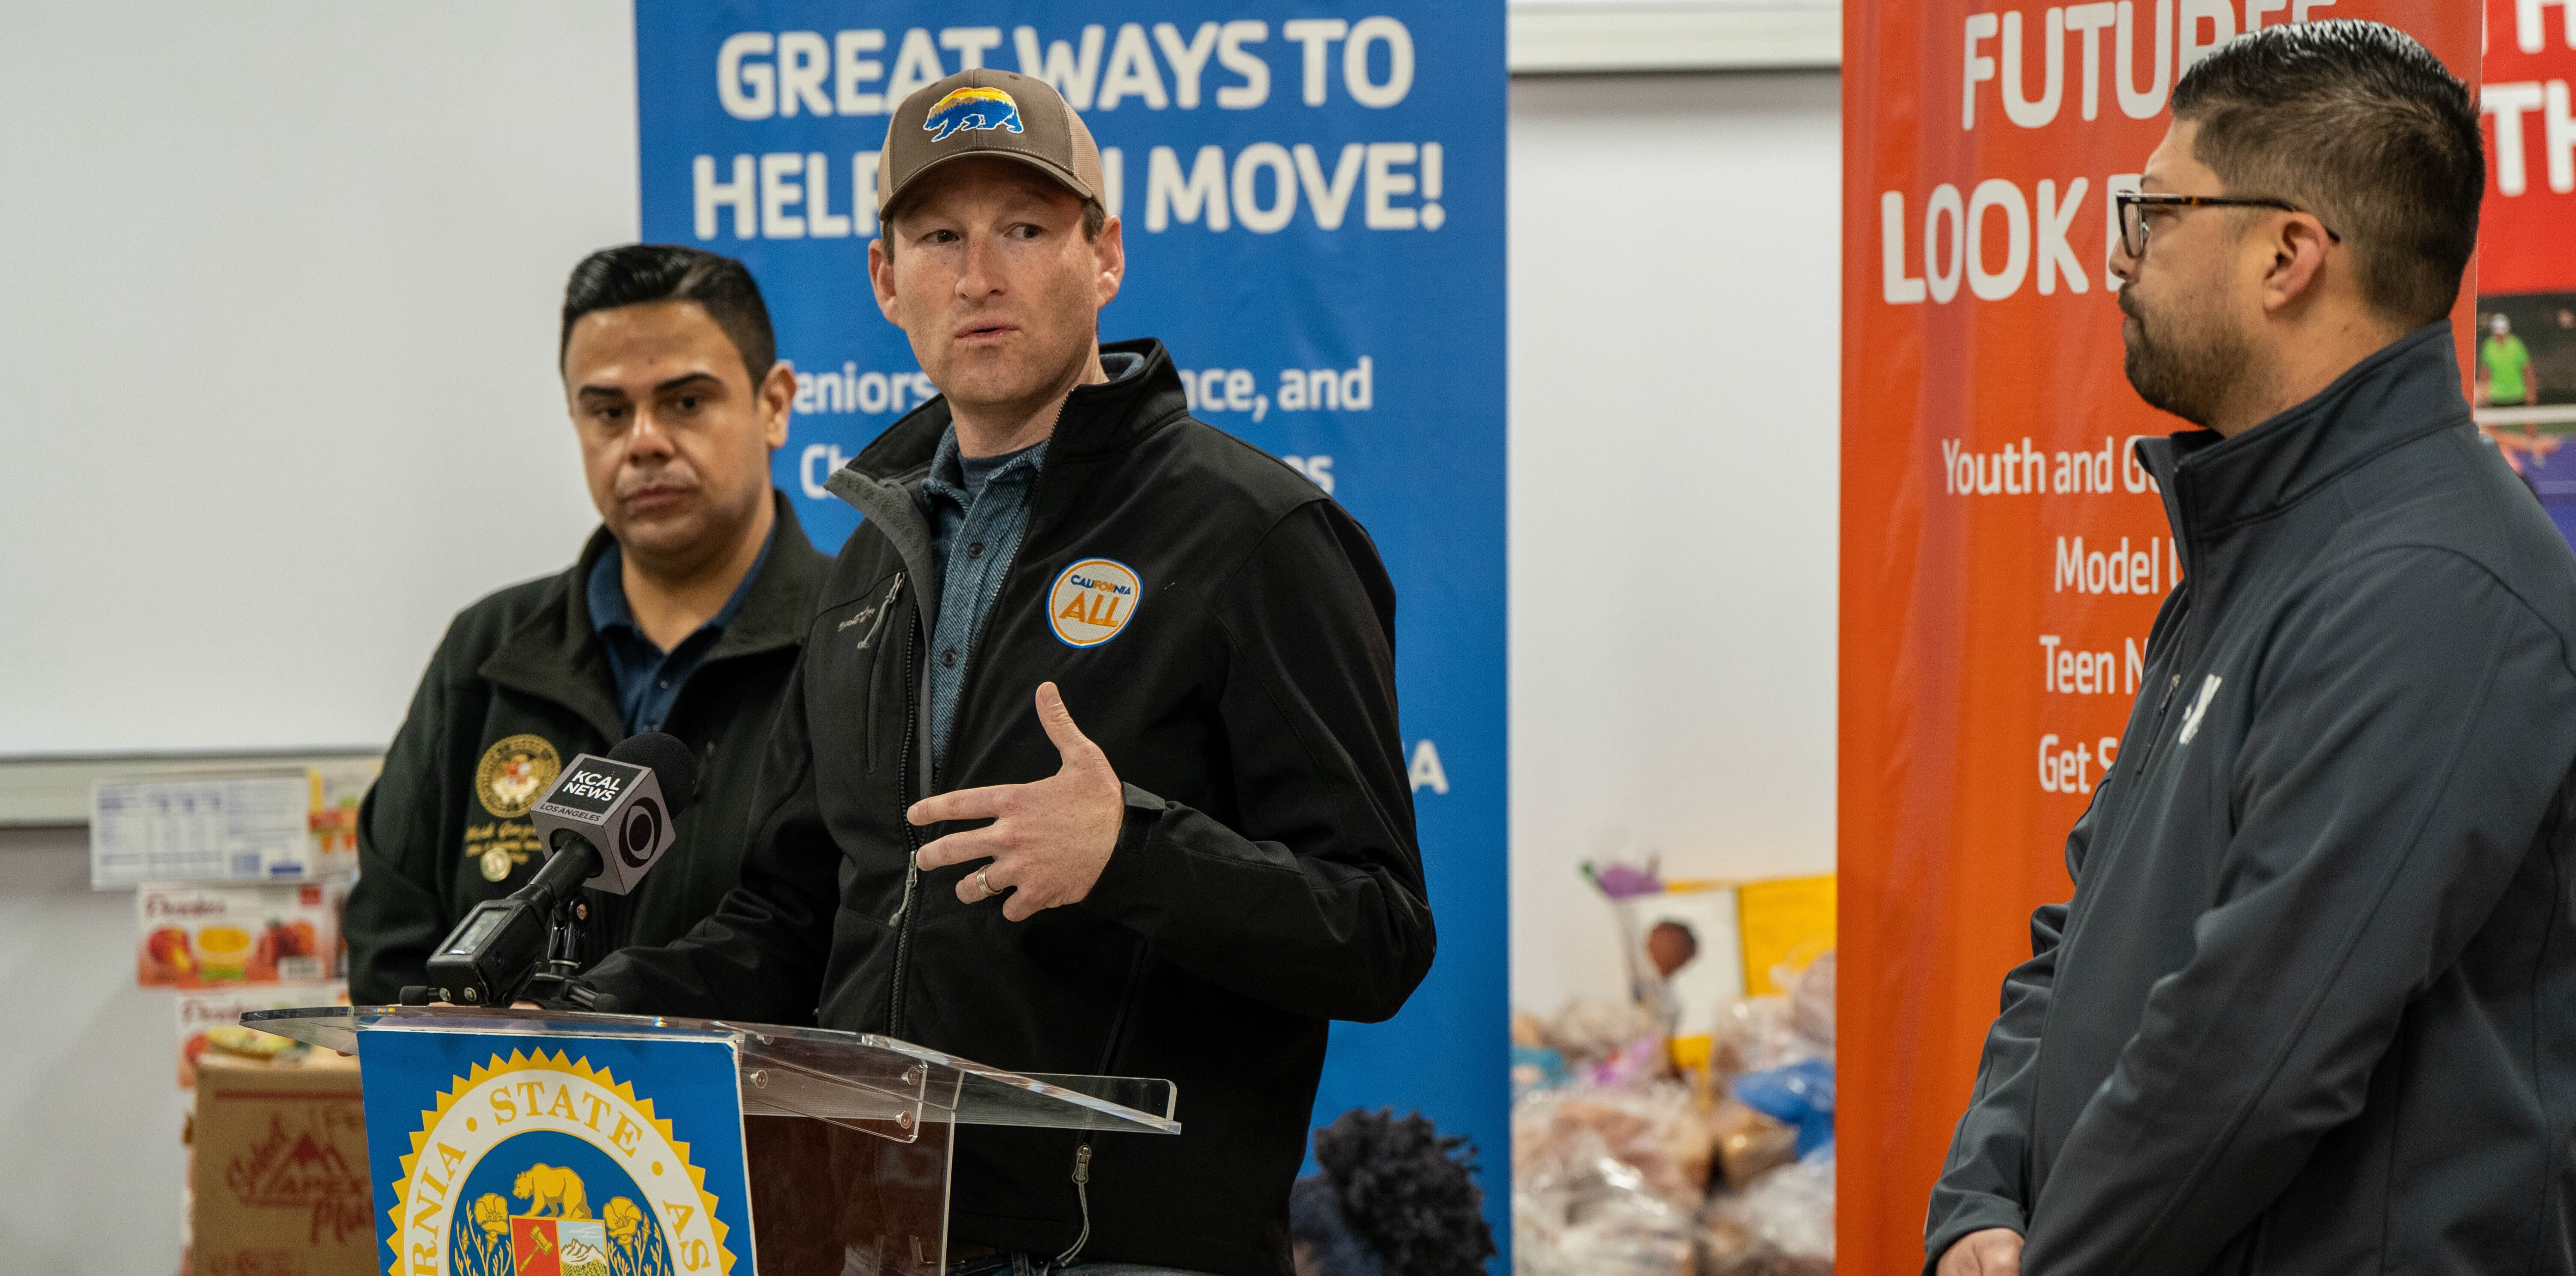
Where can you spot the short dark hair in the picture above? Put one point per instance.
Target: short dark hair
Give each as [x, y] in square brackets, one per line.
[2359, 124]
[639, 274]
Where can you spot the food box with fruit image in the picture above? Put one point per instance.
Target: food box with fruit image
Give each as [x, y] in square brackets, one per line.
[210, 936]
[210, 1022]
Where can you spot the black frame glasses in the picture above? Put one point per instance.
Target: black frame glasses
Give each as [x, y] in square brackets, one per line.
[2133, 223]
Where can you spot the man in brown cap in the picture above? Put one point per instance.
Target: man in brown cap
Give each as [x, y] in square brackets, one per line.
[1190, 884]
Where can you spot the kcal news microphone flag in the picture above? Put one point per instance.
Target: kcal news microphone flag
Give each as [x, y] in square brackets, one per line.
[1313, 209]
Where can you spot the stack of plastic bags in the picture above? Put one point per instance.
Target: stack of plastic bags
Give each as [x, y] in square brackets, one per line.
[1623, 1166]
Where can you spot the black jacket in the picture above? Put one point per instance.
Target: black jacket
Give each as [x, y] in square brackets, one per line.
[520, 684]
[2312, 1008]
[1266, 879]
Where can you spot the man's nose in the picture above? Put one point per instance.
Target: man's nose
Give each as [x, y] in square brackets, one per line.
[2121, 266]
[980, 274]
[648, 440]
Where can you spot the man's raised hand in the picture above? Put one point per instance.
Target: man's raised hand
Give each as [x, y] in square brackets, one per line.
[1049, 840]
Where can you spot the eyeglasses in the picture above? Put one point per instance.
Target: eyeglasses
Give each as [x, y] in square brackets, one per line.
[2133, 222]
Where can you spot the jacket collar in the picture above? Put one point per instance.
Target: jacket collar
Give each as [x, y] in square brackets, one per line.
[1098, 419]
[555, 654]
[2407, 389]
[882, 482]
[780, 607]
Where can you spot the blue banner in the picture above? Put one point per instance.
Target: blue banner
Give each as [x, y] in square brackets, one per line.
[498, 1155]
[1313, 212]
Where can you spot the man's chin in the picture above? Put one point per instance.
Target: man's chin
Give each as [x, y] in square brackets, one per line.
[1003, 388]
[662, 531]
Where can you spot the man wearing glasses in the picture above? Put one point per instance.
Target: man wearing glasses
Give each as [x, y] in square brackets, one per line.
[2312, 1007]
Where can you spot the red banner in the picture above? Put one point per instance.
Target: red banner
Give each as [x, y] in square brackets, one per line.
[2002, 554]
[2525, 373]
[2527, 235]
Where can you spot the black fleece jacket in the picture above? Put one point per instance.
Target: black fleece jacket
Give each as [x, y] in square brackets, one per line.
[1266, 879]
[2312, 1008]
[521, 675]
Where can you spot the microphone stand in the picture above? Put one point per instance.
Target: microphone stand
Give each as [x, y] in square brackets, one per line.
[525, 946]
[551, 985]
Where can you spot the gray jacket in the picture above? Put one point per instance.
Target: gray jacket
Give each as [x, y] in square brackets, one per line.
[2312, 1008]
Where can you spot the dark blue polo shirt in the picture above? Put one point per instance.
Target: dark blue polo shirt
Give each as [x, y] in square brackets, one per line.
[648, 678]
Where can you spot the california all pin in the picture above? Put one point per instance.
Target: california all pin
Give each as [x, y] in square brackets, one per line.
[1092, 601]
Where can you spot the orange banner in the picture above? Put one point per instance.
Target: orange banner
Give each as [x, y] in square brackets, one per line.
[2002, 553]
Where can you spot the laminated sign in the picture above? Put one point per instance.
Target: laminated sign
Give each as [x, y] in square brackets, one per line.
[2003, 553]
[609, 1158]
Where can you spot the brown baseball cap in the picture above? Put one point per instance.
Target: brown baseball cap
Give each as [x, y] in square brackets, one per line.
[986, 112]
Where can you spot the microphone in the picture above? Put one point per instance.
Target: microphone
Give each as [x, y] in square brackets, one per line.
[608, 817]
[625, 803]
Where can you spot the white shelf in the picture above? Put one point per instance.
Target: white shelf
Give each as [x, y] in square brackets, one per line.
[1570, 37]
[55, 790]
[2525, 414]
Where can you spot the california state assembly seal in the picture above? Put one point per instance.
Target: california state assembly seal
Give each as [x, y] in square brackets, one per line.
[513, 772]
[537, 1165]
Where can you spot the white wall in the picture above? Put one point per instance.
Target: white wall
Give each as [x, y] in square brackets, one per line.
[1674, 487]
[90, 1116]
[282, 284]
[245, 241]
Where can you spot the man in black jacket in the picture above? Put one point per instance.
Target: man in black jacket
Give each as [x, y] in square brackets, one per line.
[1158, 661]
[2312, 1008]
[683, 614]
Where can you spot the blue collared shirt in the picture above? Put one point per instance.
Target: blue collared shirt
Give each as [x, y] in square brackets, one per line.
[978, 509]
[648, 678]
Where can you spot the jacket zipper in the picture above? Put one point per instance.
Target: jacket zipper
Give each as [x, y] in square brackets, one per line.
[1082, 1195]
[917, 647]
[1126, 1002]
[1108, 1056]
[2157, 732]
[974, 648]
[2182, 623]
[975, 641]
[884, 609]
[2128, 814]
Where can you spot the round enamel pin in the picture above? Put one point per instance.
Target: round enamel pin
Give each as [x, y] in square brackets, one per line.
[513, 772]
[1092, 600]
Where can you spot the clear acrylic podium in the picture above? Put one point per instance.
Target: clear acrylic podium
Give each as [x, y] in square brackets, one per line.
[847, 1135]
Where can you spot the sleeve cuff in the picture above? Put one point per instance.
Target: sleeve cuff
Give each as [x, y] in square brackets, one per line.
[1131, 861]
[1973, 1215]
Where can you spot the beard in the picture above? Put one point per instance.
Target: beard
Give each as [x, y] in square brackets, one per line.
[2181, 358]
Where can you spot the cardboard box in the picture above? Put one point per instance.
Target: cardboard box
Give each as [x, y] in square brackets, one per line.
[294, 824]
[211, 936]
[278, 1171]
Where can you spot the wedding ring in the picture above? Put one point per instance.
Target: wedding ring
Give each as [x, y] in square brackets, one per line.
[985, 883]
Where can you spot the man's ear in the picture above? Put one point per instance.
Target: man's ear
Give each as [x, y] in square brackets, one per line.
[2297, 275]
[1109, 248]
[881, 274]
[777, 399]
